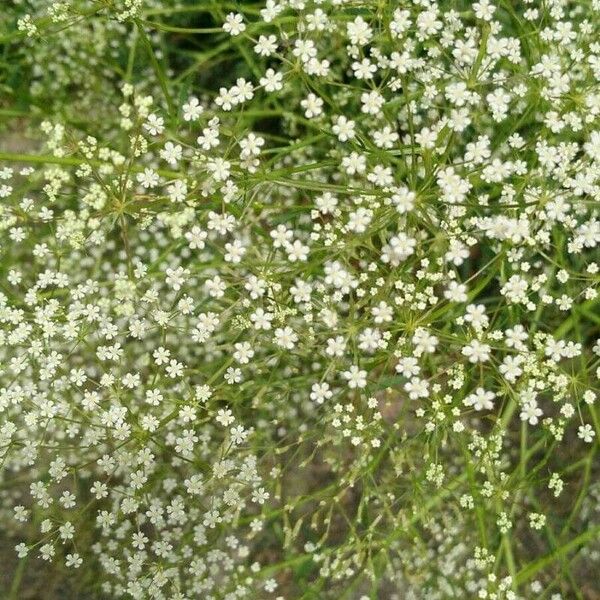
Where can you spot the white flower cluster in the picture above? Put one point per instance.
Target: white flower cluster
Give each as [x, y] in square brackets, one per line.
[327, 330]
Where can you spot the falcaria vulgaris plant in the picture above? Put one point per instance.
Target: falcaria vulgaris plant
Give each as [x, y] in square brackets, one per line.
[299, 299]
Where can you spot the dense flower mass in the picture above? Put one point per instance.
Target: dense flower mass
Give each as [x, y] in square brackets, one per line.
[300, 299]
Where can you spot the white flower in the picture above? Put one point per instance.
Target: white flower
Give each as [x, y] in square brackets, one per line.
[243, 352]
[476, 351]
[154, 124]
[480, 400]
[424, 341]
[266, 45]
[148, 178]
[225, 417]
[286, 338]
[530, 412]
[176, 277]
[296, 251]
[320, 392]
[511, 368]
[171, 153]
[456, 292]
[192, 109]
[586, 433]
[399, 248]
[261, 319]
[272, 81]
[196, 238]
[234, 24]
[359, 31]
[234, 251]
[344, 129]
[282, 236]
[417, 388]
[356, 378]
[336, 346]
[364, 69]
[408, 366]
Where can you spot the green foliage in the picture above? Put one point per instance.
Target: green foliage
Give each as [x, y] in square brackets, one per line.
[299, 299]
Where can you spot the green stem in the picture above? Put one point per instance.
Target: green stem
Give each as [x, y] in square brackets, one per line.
[16, 582]
[533, 568]
[70, 161]
[158, 70]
